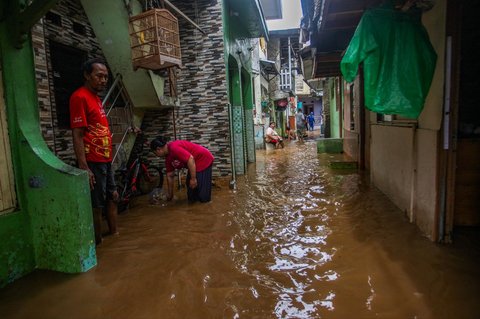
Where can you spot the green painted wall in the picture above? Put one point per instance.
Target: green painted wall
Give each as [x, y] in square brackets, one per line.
[334, 113]
[239, 72]
[248, 103]
[52, 227]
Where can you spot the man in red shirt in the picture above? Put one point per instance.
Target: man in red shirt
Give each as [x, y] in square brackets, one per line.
[92, 142]
[198, 160]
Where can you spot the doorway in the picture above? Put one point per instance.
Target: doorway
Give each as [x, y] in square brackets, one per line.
[463, 158]
[67, 77]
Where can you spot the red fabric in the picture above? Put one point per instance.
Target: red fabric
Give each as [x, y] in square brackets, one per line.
[86, 111]
[180, 151]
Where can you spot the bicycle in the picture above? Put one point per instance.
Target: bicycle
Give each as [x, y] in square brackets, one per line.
[139, 178]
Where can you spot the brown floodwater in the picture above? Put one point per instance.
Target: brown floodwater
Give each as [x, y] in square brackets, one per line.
[295, 240]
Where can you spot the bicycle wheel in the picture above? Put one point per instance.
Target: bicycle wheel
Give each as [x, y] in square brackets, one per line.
[123, 199]
[153, 179]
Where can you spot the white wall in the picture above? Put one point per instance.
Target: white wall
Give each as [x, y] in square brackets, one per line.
[391, 162]
[403, 161]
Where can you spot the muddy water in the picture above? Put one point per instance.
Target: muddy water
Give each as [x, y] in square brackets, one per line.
[296, 240]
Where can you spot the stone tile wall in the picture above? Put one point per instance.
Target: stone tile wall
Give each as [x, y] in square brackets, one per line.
[59, 140]
[202, 87]
[203, 115]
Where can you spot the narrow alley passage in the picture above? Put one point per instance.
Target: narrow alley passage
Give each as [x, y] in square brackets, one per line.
[296, 240]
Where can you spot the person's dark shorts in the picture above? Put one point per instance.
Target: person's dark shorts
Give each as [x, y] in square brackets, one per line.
[104, 183]
[203, 191]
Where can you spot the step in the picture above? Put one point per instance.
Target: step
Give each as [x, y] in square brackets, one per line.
[334, 164]
[330, 145]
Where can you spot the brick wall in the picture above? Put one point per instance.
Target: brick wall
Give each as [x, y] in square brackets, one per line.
[202, 87]
[70, 11]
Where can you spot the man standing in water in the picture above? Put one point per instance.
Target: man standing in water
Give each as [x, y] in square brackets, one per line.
[311, 121]
[300, 123]
[179, 154]
[92, 143]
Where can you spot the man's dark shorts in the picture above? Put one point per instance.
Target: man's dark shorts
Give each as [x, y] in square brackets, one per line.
[104, 184]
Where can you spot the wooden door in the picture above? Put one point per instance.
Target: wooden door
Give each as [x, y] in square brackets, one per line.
[7, 186]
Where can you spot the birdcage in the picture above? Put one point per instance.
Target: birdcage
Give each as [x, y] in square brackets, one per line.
[155, 40]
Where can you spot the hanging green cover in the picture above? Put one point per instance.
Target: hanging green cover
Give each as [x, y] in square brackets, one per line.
[398, 61]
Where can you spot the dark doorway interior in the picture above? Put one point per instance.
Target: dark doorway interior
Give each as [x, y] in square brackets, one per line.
[67, 77]
[467, 152]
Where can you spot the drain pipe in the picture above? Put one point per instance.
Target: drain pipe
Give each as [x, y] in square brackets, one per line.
[174, 120]
[233, 182]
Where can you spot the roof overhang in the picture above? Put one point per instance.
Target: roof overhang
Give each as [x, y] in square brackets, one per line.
[272, 9]
[285, 33]
[251, 16]
[327, 64]
[331, 30]
[306, 62]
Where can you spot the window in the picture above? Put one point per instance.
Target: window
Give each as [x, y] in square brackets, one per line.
[394, 119]
[54, 18]
[79, 28]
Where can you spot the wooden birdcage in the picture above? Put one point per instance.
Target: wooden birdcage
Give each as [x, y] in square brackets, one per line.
[155, 40]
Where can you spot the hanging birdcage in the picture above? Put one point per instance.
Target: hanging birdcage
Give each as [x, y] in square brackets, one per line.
[155, 40]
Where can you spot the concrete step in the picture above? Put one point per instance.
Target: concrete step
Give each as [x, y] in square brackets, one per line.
[330, 145]
[334, 164]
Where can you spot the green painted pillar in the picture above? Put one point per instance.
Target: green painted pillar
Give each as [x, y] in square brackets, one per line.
[248, 105]
[53, 221]
[237, 114]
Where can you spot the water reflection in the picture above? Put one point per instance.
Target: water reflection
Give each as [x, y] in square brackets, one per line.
[290, 208]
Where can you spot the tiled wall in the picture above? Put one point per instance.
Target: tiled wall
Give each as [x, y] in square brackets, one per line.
[203, 113]
[59, 140]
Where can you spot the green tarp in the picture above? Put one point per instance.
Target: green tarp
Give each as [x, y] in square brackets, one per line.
[398, 61]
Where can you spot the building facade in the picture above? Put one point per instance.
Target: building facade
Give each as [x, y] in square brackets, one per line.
[45, 216]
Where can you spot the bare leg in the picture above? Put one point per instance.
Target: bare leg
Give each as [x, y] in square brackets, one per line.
[112, 217]
[97, 224]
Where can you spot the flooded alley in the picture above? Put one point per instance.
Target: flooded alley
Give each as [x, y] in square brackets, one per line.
[295, 240]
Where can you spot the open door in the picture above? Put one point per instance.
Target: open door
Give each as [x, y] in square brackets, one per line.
[462, 118]
[7, 187]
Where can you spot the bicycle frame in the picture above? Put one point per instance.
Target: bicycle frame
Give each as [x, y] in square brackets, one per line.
[137, 165]
[129, 185]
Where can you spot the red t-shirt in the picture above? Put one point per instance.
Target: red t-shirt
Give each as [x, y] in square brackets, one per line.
[86, 110]
[180, 151]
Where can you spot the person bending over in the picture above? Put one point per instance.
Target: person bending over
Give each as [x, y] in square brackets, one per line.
[196, 158]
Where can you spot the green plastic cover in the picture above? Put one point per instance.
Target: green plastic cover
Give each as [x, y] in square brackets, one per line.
[398, 61]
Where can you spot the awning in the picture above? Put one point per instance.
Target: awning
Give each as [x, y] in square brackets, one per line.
[250, 15]
[320, 64]
[332, 25]
[269, 69]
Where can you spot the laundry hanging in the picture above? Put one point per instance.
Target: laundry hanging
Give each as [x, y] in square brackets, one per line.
[398, 61]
